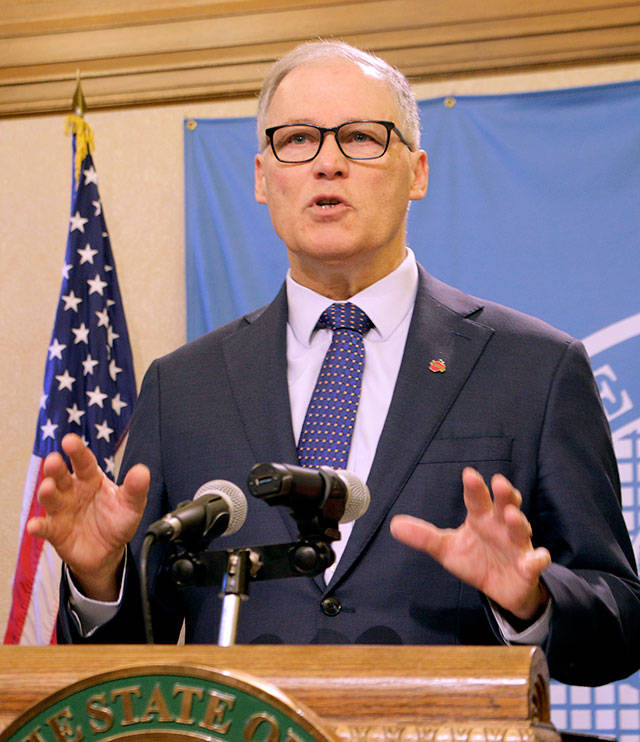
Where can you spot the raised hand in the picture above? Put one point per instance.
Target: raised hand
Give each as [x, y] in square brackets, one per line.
[89, 519]
[491, 550]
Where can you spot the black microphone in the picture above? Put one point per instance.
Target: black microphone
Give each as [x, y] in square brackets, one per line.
[219, 508]
[339, 494]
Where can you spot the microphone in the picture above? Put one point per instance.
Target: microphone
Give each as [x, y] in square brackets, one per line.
[339, 494]
[219, 508]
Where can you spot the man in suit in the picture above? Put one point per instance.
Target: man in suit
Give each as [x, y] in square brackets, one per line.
[479, 430]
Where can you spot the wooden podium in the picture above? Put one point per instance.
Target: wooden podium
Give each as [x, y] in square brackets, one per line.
[367, 693]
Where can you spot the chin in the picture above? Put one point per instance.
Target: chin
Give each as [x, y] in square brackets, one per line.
[331, 247]
[334, 256]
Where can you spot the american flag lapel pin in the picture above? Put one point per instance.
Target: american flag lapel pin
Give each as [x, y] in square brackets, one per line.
[438, 366]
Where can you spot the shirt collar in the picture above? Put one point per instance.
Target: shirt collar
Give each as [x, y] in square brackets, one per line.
[386, 302]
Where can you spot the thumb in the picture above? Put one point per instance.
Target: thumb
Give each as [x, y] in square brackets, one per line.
[417, 533]
[136, 486]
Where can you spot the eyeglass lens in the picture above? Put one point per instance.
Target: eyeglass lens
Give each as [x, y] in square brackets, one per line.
[360, 140]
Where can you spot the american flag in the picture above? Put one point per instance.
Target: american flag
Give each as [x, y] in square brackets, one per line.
[89, 388]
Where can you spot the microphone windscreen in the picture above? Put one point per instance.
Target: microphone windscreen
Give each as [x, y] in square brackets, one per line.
[358, 498]
[232, 495]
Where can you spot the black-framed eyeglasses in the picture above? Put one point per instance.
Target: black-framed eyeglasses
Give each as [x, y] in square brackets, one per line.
[357, 140]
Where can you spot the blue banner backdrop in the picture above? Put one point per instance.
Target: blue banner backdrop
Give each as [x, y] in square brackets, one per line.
[534, 201]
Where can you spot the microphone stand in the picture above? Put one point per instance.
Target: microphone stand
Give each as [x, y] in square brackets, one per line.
[237, 568]
[235, 589]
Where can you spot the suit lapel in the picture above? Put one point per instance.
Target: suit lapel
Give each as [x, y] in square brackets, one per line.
[256, 361]
[441, 329]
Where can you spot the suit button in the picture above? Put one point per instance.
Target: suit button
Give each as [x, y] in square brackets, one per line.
[331, 606]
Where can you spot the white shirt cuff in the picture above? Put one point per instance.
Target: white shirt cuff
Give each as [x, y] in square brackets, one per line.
[91, 614]
[534, 634]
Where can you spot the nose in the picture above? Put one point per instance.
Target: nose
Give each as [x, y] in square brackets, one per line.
[330, 162]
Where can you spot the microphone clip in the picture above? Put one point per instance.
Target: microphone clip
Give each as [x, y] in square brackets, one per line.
[302, 558]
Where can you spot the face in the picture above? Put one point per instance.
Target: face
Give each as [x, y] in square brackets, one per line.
[343, 221]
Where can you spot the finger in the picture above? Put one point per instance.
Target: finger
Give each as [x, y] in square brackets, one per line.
[55, 469]
[419, 534]
[44, 528]
[37, 527]
[83, 461]
[49, 494]
[518, 527]
[477, 497]
[136, 485]
[504, 495]
[533, 563]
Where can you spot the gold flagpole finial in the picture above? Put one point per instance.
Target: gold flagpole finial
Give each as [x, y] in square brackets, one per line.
[76, 125]
[79, 104]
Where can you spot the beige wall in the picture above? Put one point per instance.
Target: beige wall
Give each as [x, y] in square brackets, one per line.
[139, 159]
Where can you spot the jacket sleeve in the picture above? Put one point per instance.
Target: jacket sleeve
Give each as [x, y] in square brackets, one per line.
[594, 636]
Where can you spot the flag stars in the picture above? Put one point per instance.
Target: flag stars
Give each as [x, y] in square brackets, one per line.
[77, 222]
[65, 381]
[55, 349]
[48, 430]
[96, 397]
[71, 301]
[74, 415]
[113, 370]
[104, 431]
[80, 391]
[81, 333]
[111, 336]
[90, 175]
[86, 254]
[118, 404]
[103, 318]
[96, 285]
[110, 466]
[88, 365]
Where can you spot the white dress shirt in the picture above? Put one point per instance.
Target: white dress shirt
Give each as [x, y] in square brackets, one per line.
[389, 305]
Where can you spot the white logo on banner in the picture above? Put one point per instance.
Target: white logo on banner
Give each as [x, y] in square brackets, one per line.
[614, 351]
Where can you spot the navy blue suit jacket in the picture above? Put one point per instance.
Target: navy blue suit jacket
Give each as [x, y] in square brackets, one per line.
[517, 397]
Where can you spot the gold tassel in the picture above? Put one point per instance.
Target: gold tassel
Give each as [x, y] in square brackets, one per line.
[75, 124]
[84, 140]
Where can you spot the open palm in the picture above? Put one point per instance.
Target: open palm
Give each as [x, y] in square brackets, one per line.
[89, 519]
[491, 551]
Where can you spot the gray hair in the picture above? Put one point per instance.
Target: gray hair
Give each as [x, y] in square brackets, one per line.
[314, 51]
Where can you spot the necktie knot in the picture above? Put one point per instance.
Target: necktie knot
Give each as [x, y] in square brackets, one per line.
[345, 316]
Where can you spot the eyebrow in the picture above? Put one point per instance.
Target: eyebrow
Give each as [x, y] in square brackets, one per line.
[311, 122]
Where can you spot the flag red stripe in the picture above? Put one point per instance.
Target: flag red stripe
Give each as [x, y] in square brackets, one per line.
[26, 568]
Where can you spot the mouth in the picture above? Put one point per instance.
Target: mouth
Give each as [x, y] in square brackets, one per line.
[327, 203]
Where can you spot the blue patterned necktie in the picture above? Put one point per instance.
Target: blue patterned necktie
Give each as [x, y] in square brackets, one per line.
[326, 433]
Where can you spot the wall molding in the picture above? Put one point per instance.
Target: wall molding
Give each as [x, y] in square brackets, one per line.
[167, 51]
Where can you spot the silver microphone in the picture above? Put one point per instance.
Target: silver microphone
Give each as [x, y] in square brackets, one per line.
[219, 508]
[337, 493]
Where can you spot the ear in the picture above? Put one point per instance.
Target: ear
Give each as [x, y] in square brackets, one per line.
[419, 174]
[259, 184]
